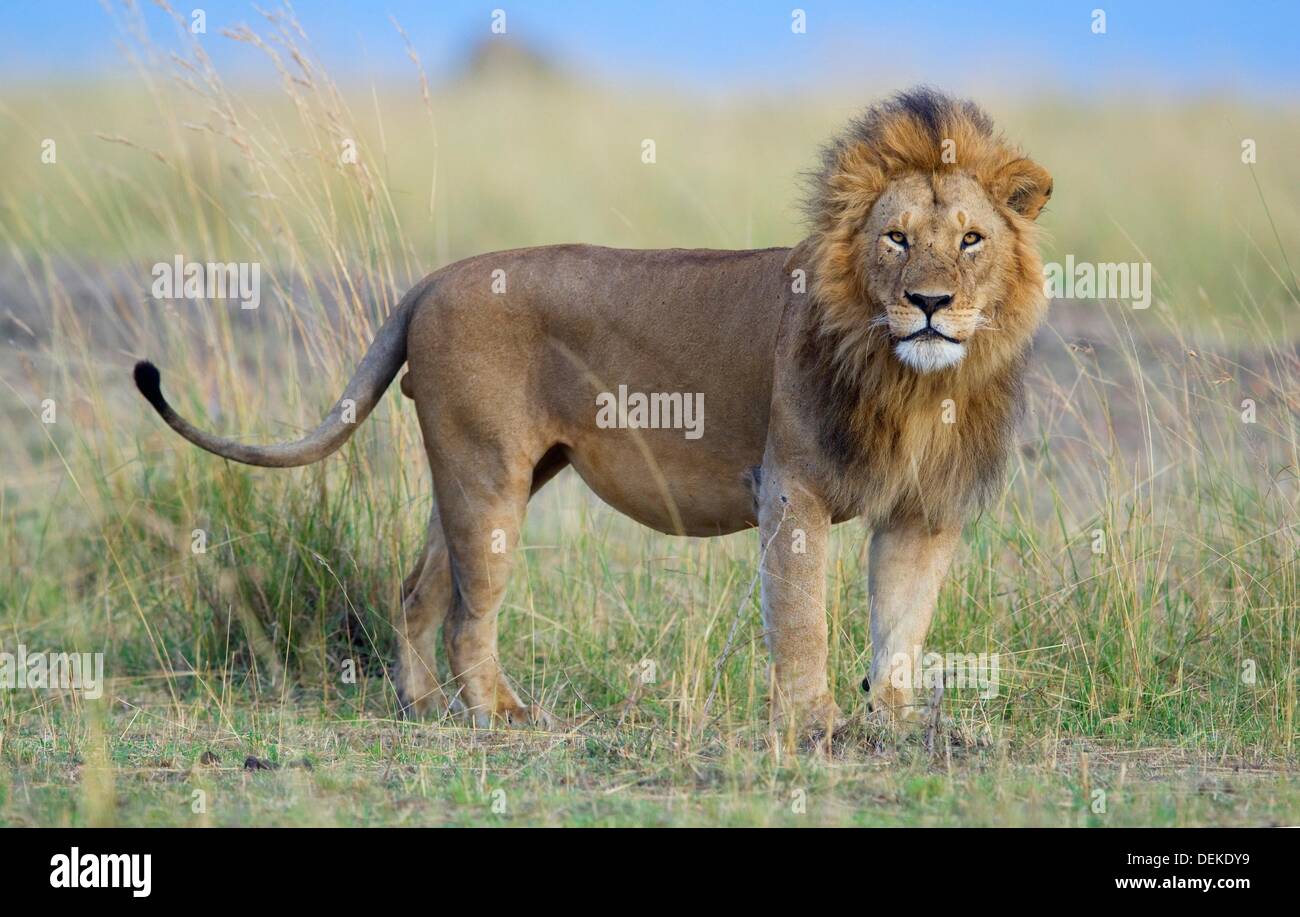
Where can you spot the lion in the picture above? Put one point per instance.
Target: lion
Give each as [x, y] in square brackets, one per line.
[873, 371]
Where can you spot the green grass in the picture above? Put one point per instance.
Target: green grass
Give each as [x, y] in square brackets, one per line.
[331, 766]
[1162, 671]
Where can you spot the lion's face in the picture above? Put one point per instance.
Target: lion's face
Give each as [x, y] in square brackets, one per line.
[934, 247]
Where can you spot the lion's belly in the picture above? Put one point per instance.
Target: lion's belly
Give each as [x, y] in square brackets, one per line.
[677, 488]
[670, 448]
[674, 454]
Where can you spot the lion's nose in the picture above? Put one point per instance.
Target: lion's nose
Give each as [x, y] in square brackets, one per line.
[929, 303]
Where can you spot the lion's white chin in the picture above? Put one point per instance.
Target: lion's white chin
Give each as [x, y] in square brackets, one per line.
[930, 355]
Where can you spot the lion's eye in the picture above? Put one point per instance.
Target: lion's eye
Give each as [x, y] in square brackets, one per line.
[971, 238]
[897, 238]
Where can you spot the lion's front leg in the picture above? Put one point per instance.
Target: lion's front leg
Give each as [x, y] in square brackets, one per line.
[908, 564]
[794, 525]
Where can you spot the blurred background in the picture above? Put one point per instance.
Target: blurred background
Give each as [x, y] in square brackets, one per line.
[749, 48]
[532, 128]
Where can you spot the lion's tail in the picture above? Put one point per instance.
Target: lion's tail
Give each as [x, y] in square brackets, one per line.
[383, 359]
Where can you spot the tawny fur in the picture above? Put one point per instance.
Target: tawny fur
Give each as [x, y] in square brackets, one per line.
[822, 402]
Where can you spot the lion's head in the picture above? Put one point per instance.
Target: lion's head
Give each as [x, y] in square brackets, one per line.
[924, 238]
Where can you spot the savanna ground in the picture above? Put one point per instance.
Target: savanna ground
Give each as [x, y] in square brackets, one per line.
[1151, 681]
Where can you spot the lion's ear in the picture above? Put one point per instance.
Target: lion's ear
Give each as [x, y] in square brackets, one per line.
[1024, 186]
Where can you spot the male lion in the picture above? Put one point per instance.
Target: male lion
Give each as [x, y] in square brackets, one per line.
[872, 371]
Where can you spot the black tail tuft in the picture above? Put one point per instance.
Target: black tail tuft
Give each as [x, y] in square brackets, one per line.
[149, 381]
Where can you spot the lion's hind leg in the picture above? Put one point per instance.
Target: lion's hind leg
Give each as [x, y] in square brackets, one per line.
[482, 513]
[426, 597]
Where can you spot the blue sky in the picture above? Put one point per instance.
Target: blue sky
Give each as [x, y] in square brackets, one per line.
[1166, 47]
